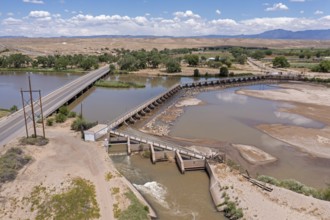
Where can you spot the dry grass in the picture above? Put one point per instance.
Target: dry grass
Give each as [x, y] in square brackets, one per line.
[39, 46]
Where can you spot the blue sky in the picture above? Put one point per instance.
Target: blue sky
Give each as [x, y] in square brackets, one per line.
[44, 18]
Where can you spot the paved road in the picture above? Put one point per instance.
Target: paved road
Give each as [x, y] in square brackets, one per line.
[266, 69]
[14, 125]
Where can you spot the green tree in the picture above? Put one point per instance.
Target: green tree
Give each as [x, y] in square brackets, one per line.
[258, 54]
[154, 58]
[13, 108]
[223, 72]
[269, 52]
[323, 66]
[280, 62]
[42, 60]
[89, 62]
[196, 73]
[301, 56]
[192, 59]
[61, 63]
[18, 60]
[112, 68]
[173, 66]
[128, 62]
[241, 59]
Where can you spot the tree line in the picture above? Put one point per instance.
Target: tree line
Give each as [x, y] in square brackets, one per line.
[124, 60]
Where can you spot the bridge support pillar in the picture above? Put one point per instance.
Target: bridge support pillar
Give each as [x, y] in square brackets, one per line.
[179, 162]
[129, 146]
[152, 154]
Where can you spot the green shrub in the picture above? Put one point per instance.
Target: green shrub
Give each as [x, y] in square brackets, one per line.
[60, 118]
[297, 187]
[12, 161]
[223, 72]
[196, 73]
[136, 210]
[72, 114]
[292, 185]
[81, 124]
[32, 140]
[231, 211]
[64, 110]
[268, 179]
[50, 122]
[77, 201]
[13, 109]
[325, 193]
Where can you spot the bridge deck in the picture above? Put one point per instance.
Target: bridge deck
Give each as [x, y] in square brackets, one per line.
[162, 145]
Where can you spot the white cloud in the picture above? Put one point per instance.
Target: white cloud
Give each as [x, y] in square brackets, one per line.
[318, 12]
[43, 23]
[10, 14]
[39, 14]
[302, 12]
[56, 15]
[297, 0]
[34, 1]
[11, 21]
[278, 7]
[186, 14]
[218, 12]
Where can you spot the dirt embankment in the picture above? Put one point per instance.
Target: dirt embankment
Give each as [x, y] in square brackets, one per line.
[311, 101]
[259, 204]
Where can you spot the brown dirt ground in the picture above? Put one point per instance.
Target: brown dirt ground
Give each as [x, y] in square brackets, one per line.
[65, 156]
[39, 46]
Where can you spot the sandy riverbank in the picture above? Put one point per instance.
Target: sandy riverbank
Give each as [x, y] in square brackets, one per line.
[259, 204]
[254, 155]
[66, 156]
[311, 101]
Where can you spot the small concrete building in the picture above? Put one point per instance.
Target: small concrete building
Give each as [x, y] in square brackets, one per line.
[95, 132]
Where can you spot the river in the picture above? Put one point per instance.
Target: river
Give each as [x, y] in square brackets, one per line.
[224, 116]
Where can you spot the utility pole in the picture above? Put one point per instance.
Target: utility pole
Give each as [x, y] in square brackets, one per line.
[81, 110]
[42, 116]
[33, 112]
[32, 109]
[26, 127]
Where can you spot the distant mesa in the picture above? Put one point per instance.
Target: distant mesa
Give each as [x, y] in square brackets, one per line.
[273, 34]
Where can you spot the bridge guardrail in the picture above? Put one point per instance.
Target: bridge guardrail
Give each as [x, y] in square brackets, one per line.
[129, 114]
[161, 144]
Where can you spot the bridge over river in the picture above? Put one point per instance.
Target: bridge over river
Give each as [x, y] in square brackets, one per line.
[186, 159]
[14, 124]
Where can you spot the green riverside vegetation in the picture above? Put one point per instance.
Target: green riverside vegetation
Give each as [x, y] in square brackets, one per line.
[11, 162]
[136, 210]
[123, 61]
[118, 84]
[298, 187]
[75, 202]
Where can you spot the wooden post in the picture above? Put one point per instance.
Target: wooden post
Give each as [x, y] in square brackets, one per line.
[26, 127]
[42, 116]
[128, 146]
[32, 109]
[152, 154]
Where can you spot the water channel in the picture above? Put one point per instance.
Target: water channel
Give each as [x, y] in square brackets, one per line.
[224, 116]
